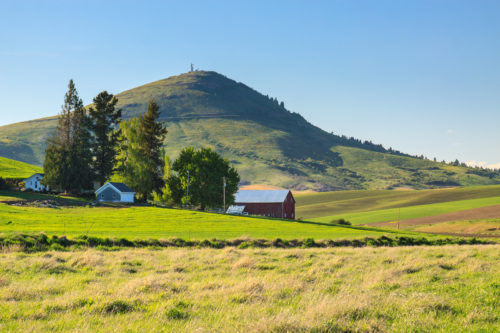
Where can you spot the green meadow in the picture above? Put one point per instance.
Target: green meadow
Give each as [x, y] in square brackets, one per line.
[153, 222]
[15, 169]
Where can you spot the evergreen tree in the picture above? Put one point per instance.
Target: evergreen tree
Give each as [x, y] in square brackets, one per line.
[54, 164]
[80, 150]
[105, 119]
[153, 135]
[68, 153]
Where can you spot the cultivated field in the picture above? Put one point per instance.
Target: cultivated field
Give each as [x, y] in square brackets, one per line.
[412, 212]
[482, 227]
[488, 212]
[419, 289]
[326, 204]
[423, 208]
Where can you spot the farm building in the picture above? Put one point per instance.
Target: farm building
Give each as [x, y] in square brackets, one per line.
[272, 203]
[115, 192]
[34, 183]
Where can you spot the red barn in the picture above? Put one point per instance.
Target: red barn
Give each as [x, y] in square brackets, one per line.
[272, 203]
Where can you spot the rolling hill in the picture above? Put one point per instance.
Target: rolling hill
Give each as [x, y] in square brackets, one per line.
[464, 211]
[15, 169]
[328, 204]
[267, 143]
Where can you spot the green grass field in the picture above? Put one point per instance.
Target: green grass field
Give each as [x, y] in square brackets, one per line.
[15, 169]
[417, 289]
[8, 195]
[153, 222]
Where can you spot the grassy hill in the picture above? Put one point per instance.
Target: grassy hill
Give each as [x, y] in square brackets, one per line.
[267, 143]
[15, 169]
[469, 211]
[318, 205]
[411, 212]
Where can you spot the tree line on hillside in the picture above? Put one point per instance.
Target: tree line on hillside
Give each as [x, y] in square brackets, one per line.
[344, 140]
[92, 146]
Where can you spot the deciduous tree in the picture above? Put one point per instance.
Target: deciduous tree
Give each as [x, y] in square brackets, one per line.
[140, 161]
[206, 171]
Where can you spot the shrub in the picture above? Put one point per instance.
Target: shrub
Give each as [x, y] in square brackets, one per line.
[40, 242]
[309, 242]
[3, 184]
[341, 221]
[176, 314]
[57, 247]
[116, 307]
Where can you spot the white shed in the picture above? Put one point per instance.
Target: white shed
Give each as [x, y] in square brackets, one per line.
[34, 183]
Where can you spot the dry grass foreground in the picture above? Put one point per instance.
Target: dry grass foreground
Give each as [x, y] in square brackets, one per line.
[447, 289]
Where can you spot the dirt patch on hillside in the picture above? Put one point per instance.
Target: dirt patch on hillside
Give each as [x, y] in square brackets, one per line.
[44, 203]
[260, 187]
[478, 228]
[488, 212]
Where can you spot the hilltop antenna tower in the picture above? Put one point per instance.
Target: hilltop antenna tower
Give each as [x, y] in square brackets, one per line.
[192, 68]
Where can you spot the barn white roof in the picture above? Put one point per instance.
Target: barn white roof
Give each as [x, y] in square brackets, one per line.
[257, 196]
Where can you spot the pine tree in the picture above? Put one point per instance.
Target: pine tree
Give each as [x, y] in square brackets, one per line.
[80, 151]
[68, 154]
[153, 135]
[105, 120]
[54, 163]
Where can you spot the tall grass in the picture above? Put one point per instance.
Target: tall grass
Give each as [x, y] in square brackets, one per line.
[448, 289]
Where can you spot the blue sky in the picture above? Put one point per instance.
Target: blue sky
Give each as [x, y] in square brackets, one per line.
[422, 77]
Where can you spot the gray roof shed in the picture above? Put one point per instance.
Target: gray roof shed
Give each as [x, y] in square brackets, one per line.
[122, 187]
[260, 196]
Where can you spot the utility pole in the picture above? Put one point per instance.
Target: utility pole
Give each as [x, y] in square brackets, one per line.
[224, 194]
[399, 215]
[187, 191]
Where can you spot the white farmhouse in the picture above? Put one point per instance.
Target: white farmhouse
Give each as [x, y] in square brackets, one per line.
[115, 192]
[34, 183]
